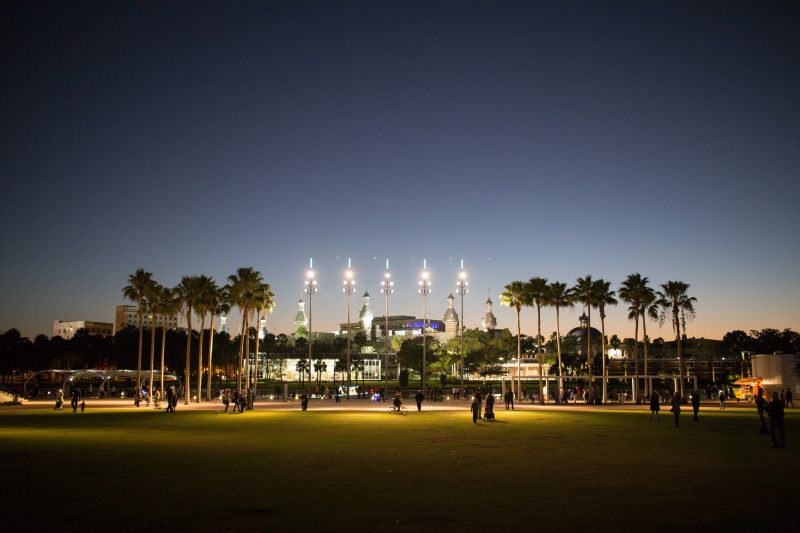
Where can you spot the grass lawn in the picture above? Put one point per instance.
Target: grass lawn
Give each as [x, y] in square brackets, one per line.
[368, 471]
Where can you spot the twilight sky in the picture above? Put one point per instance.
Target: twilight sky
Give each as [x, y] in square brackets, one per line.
[555, 139]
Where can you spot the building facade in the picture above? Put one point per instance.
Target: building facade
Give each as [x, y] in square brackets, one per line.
[128, 315]
[67, 329]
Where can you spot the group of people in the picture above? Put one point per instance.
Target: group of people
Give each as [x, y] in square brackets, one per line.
[241, 399]
[488, 409]
[75, 400]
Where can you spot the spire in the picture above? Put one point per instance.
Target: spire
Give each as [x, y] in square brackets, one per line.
[300, 320]
[489, 322]
[450, 317]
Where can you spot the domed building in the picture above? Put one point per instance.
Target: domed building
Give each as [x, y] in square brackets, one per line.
[579, 334]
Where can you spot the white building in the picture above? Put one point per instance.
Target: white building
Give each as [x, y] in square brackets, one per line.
[68, 328]
[778, 372]
[128, 315]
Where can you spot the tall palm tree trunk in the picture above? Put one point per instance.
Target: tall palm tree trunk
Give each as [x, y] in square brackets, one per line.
[152, 357]
[247, 354]
[139, 357]
[210, 355]
[163, 349]
[558, 348]
[519, 359]
[646, 373]
[680, 351]
[187, 384]
[241, 353]
[635, 390]
[200, 360]
[590, 383]
[539, 350]
[258, 335]
[603, 353]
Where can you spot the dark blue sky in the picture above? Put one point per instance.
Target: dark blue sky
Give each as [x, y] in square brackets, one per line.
[529, 138]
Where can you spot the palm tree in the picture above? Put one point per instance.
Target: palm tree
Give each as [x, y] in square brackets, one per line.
[168, 306]
[264, 301]
[584, 293]
[242, 287]
[631, 291]
[301, 367]
[515, 296]
[206, 303]
[649, 309]
[152, 302]
[136, 290]
[603, 297]
[672, 299]
[221, 308]
[189, 292]
[537, 292]
[559, 296]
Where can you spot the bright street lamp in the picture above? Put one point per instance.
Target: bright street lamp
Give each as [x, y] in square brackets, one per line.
[349, 287]
[311, 288]
[386, 289]
[424, 289]
[461, 288]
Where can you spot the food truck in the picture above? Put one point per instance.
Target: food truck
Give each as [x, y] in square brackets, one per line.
[747, 388]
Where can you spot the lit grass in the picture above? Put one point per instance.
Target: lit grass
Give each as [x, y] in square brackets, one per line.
[371, 470]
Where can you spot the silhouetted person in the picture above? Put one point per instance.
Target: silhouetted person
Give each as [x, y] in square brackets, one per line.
[761, 406]
[303, 402]
[419, 397]
[509, 399]
[776, 429]
[76, 396]
[476, 410]
[83, 406]
[655, 405]
[676, 408]
[695, 404]
[788, 397]
[721, 397]
[488, 411]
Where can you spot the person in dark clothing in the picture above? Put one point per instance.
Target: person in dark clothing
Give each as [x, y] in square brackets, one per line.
[303, 402]
[761, 405]
[676, 408]
[488, 412]
[776, 414]
[419, 397]
[509, 399]
[788, 397]
[397, 402]
[695, 404]
[76, 397]
[476, 410]
[655, 405]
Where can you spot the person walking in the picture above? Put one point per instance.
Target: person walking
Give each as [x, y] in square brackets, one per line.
[250, 398]
[721, 397]
[303, 402]
[59, 401]
[488, 411]
[226, 399]
[476, 410]
[509, 400]
[654, 406]
[788, 397]
[776, 428]
[419, 397]
[76, 397]
[695, 404]
[761, 406]
[676, 407]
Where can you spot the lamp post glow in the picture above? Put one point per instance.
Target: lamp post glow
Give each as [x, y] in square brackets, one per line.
[311, 288]
[461, 288]
[386, 289]
[349, 287]
[424, 289]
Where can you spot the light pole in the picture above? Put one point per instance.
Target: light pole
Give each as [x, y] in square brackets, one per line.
[424, 289]
[386, 289]
[311, 288]
[349, 287]
[461, 288]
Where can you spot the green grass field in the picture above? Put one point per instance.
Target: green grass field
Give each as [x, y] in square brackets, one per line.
[362, 471]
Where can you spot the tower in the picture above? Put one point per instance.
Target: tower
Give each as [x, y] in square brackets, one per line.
[300, 320]
[365, 316]
[450, 318]
[489, 322]
[223, 323]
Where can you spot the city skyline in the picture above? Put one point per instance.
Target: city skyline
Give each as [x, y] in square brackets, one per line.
[552, 139]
